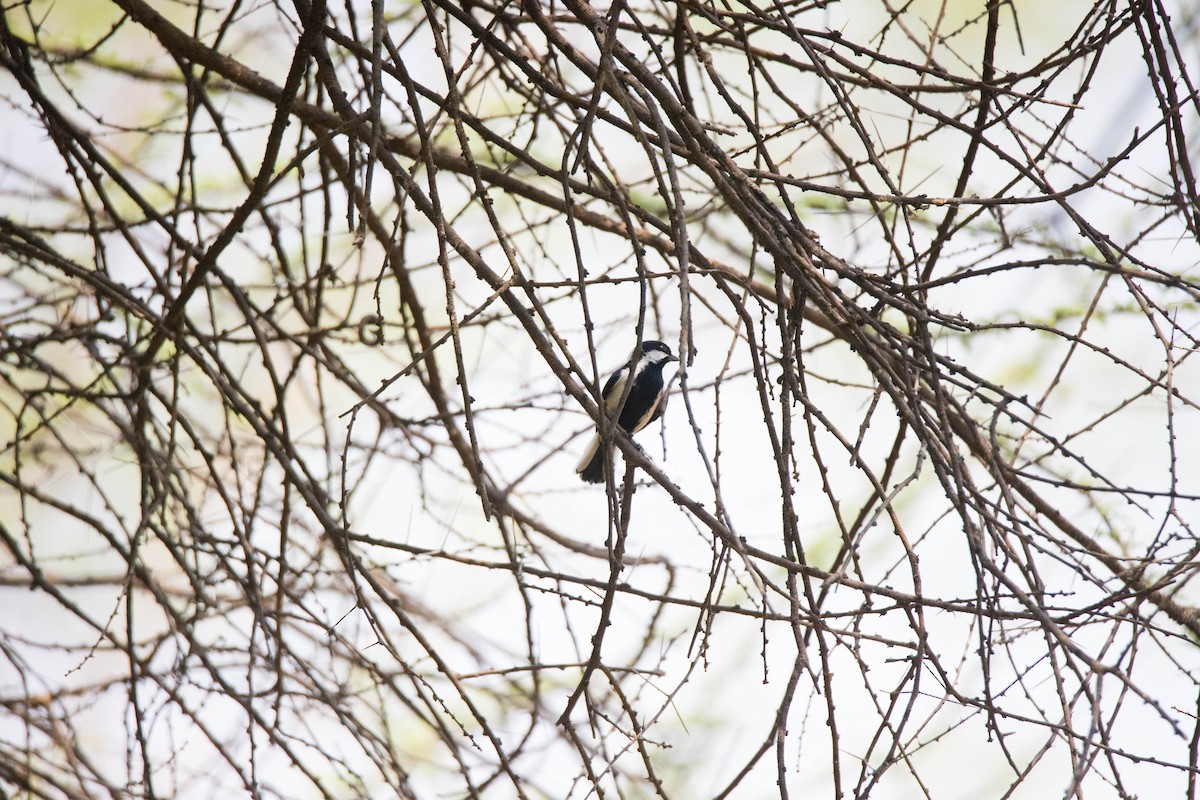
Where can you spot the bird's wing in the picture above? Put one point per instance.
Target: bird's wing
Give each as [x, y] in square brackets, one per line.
[662, 401]
[614, 388]
[652, 413]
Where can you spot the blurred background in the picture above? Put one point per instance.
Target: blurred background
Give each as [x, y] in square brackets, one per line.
[304, 312]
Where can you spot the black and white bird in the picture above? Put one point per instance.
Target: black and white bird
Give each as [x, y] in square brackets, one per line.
[645, 403]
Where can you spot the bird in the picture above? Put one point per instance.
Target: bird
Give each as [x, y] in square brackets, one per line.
[645, 402]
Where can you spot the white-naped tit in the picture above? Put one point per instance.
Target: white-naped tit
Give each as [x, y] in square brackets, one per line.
[645, 403]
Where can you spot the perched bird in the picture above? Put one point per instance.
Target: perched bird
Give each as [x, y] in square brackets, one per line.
[645, 403]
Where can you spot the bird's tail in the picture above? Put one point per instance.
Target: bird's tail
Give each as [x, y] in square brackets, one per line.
[591, 467]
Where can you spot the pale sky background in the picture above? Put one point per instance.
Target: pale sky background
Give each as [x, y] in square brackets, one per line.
[715, 717]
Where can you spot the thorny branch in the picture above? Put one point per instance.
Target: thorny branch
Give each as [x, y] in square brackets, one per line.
[304, 307]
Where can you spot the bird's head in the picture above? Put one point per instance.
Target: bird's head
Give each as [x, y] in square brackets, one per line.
[655, 352]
